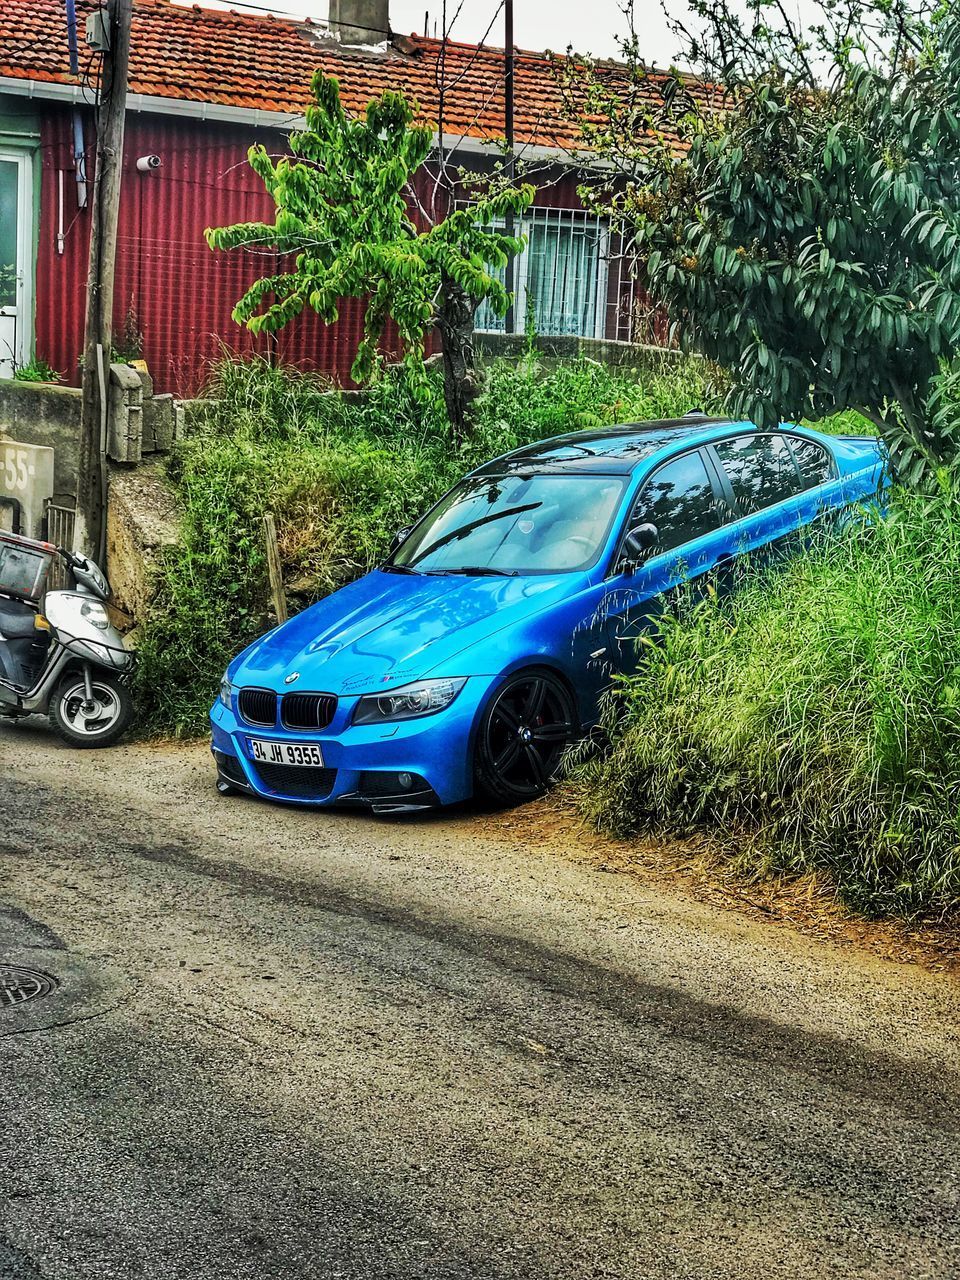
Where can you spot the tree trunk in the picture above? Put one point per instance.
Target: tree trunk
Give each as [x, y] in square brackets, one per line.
[455, 322]
[916, 417]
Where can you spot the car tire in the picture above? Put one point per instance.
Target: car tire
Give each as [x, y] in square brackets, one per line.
[102, 726]
[523, 732]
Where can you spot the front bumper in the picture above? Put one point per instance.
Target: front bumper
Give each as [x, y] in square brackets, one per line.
[393, 767]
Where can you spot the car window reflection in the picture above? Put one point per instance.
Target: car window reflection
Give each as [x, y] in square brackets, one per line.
[678, 498]
[761, 471]
[516, 524]
[816, 465]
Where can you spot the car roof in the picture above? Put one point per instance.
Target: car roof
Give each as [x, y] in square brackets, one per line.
[615, 450]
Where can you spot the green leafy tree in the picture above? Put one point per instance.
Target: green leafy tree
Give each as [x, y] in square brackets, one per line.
[345, 228]
[801, 226]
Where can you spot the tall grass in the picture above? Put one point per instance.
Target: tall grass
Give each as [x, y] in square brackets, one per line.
[341, 475]
[813, 721]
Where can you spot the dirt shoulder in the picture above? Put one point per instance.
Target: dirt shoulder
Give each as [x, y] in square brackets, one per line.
[806, 904]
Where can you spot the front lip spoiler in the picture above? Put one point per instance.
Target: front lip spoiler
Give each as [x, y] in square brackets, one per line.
[390, 804]
[350, 799]
[235, 784]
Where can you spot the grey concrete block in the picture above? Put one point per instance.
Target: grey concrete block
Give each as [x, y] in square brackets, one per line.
[125, 429]
[146, 382]
[159, 424]
[360, 22]
[142, 522]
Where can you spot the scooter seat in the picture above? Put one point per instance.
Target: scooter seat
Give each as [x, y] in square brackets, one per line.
[16, 619]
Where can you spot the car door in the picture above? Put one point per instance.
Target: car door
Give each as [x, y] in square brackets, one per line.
[776, 486]
[683, 498]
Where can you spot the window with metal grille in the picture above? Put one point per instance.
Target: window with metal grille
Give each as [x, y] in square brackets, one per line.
[560, 277]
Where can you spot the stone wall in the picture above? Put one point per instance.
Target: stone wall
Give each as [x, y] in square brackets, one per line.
[142, 521]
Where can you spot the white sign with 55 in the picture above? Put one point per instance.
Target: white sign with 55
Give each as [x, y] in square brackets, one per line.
[26, 482]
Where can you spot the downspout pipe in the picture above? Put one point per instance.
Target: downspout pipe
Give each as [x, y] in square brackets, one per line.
[72, 37]
[79, 162]
[79, 159]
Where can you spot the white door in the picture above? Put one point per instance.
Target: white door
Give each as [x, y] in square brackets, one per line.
[16, 267]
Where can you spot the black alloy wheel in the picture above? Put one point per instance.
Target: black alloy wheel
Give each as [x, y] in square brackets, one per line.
[522, 737]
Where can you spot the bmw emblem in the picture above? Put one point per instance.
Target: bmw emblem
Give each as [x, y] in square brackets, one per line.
[294, 675]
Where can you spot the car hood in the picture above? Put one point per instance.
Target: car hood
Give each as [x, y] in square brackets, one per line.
[392, 628]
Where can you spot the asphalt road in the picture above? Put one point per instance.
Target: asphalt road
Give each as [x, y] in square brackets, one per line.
[302, 1045]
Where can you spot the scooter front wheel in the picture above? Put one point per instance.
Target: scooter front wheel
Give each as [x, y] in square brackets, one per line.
[97, 722]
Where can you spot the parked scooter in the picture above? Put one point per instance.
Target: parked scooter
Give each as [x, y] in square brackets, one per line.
[60, 655]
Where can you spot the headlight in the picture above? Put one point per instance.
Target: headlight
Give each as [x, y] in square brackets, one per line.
[226, 692]
[411, 700]
[92, 611]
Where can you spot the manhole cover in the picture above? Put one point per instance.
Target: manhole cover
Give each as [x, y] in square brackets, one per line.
[18, 984]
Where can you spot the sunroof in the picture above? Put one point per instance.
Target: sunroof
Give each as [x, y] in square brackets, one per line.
[615, 443]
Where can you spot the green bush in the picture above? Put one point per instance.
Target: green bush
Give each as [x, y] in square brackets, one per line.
[811, 722]
[36, 370]
[341, 475]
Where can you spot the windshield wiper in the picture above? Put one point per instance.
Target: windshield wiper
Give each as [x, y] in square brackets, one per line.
[400, 568]
[473, 571]
[465, 530]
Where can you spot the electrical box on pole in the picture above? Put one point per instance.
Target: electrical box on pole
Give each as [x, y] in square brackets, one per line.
[97, 31]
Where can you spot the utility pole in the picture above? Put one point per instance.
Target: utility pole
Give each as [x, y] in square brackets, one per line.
[98, 333]
[509, 320]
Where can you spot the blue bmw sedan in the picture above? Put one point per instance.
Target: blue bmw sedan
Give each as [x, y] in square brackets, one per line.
[468, 661]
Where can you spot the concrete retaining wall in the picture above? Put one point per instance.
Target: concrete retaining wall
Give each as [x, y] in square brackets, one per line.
[47, 415]
[142, 521]
[43, 414]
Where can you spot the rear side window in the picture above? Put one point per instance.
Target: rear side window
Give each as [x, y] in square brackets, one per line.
[815, 463]
[678, 498]
[760, 469]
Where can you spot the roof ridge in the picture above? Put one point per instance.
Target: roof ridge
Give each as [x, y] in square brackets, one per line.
[222, 15]
[535, 55]
[549, 55]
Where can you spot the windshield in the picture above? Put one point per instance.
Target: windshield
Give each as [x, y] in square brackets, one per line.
[515, 524]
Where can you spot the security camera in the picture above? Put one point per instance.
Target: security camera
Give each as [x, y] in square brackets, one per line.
[146, 163]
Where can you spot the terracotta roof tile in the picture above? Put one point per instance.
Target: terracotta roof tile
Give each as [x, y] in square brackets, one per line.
[242, 60]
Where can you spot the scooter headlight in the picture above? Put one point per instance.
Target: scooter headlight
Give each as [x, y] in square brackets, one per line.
[92, 611]
[406, 703]
[226, 692]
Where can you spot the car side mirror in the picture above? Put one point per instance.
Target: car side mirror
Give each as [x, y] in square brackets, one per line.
[398, 537]
[639, 542]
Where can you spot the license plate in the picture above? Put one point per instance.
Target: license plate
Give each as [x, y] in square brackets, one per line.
[305, 753]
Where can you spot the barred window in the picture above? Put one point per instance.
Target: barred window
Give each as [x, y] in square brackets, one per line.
[560, 277]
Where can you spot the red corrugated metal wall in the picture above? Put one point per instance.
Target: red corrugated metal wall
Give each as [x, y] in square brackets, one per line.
[181, 292]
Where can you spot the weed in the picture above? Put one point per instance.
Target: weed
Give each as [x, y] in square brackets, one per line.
[812, 721]
[36, 370]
